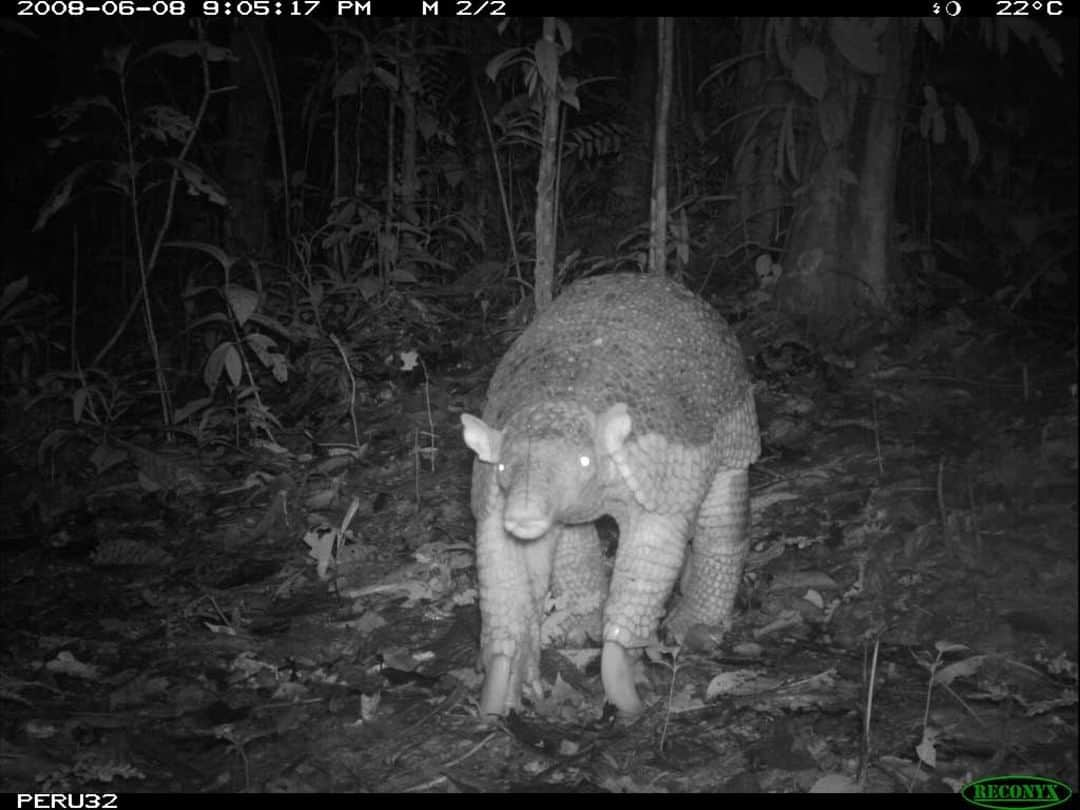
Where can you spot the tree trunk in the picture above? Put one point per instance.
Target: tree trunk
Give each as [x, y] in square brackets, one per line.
[244, 173]
[633, 177]
[544, 269]
[410, 183]
[760, 198]
[658, 214]
[875, 260]
[482, 194]
[836, 275]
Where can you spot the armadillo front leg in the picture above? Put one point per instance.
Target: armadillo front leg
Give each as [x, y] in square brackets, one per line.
[514, 578]
[579, 585]
[717, 554]
[651, 552]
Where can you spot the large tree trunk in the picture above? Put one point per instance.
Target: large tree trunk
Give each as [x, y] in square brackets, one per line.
[410, 183]
[760, 198]
[633, 178]
[875, 260]
[244, 174]
[482, 192]
[836, 275]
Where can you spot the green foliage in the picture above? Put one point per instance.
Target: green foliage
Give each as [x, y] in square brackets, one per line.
[24, 336]
[136, 139]
[93, 402]
[237, 332]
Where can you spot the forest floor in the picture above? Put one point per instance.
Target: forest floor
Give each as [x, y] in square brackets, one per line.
[291, 619]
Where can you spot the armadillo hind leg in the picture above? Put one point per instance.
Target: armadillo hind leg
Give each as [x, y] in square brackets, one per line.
[651, 552]
[514, 578]
[717, 554]
[579, 586]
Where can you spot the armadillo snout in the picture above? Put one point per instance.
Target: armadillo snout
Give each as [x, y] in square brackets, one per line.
[535, 489]
[526, 524]
[529, 510]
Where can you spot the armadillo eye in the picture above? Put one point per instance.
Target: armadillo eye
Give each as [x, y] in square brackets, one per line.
[585, 461]
[501, 467]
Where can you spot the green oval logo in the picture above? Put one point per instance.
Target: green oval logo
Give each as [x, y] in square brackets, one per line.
[1016, 792]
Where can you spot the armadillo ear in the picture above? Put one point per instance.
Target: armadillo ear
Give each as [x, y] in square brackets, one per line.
[481, 439]
[612, 428]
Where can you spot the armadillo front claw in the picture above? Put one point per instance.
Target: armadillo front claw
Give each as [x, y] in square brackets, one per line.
[507, 668]
[496, 696]
[617, 674]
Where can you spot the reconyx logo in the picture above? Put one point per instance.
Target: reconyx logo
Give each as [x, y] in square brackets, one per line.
[1016, 792]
